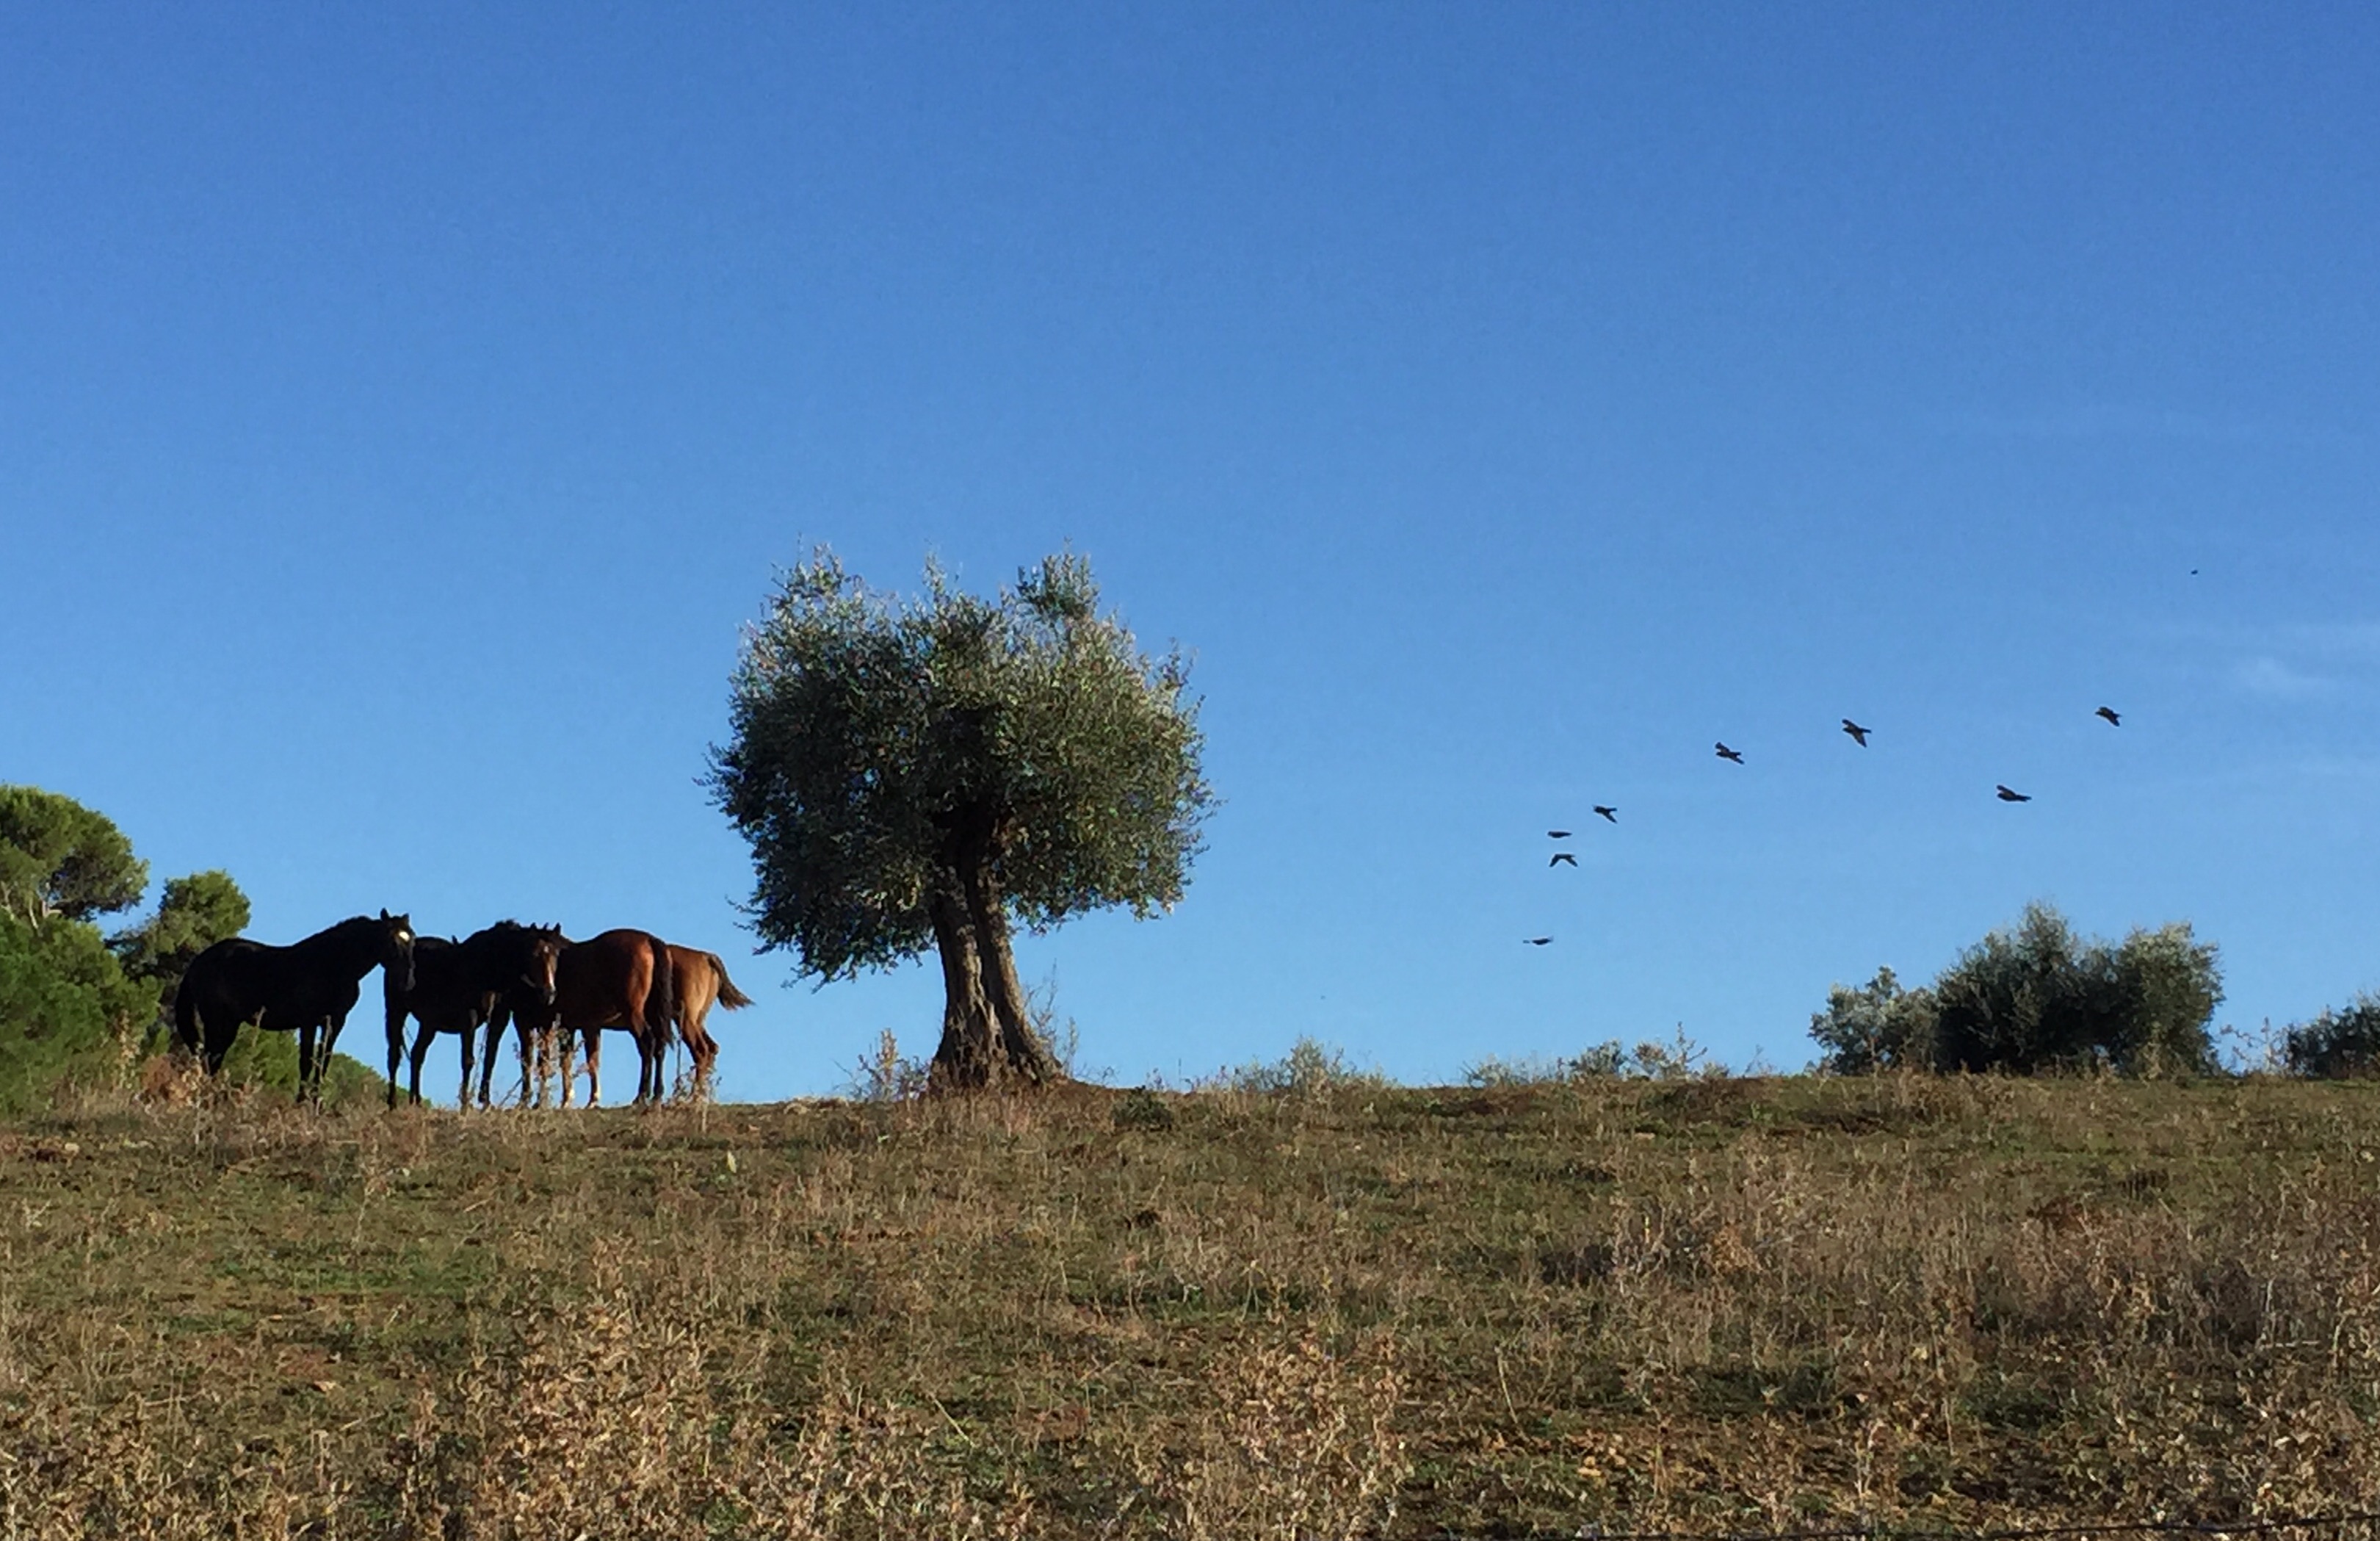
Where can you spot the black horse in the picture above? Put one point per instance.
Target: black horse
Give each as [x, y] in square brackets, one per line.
[303, 987]
[454, 989]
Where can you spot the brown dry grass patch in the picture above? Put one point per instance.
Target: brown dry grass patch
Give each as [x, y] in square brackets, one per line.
[1362, 1311]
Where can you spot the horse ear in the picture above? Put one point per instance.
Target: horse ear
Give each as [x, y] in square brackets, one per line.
[384, 913]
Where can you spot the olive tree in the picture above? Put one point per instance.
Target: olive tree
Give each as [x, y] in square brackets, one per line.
[1877, 1026]
[927, 772]
[2037, 996]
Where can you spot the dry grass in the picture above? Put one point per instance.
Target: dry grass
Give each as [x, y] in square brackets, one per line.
[1350, 1311]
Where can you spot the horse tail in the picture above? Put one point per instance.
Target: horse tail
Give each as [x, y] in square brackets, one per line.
[661, 999]
[729, 995]
[185, 1014]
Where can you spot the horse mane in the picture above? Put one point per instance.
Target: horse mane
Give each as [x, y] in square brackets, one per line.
[347, 929]
[509, 924]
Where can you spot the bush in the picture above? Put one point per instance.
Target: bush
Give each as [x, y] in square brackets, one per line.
[269, 1061]
[1310, 1067]
[65, 1007]
[1680, 1059]
[2037, 997]
[1877, 1026]
[1142, 1108]
[2337, 1044]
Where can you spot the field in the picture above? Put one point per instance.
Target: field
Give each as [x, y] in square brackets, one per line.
[1360, 1310]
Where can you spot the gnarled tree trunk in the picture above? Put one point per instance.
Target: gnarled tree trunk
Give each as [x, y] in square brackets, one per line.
[987, 1039]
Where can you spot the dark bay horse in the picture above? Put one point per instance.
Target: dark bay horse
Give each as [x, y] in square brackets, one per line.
[620, 979]
[456, 987]
[307, 987]
[700, 979]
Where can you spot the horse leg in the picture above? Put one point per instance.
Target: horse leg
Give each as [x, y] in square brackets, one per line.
[396, 1052]
[219, 1045]
[420, 1054]
[594, 1066]
[462, 1098]
[306, 1061]
[488, 1058]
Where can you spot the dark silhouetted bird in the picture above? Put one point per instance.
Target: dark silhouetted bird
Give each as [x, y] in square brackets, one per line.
[1726, 753]
[1535, 941]
[1859, 735]
[1556, 835]
[1561, 857]
[2110, 713]
[2008, 796]
[1610, 814]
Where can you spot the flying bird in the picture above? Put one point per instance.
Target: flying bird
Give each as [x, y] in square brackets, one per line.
[1610, 814]
[1535, 941]
[1556, 835]
[1859, 735]
[2008, 796]
[2110, 713]
[1726, 753]
[1561, 856]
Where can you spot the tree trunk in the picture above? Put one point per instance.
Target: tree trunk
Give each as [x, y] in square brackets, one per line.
[988, 1040]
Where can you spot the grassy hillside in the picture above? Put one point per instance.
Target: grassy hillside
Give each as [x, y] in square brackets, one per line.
[1361, 1311]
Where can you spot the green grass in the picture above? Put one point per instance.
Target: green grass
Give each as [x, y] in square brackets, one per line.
[1346, 1309]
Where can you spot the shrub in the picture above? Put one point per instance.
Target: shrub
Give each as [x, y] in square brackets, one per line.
[2337, 1044]
[1142, 1108]
[65, 1007]
[1680, 1059]
[1309, 1068]
[2036, 996]
[1877, 1026]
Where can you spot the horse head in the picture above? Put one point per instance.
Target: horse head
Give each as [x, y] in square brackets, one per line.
[396, 950]
[544, 957]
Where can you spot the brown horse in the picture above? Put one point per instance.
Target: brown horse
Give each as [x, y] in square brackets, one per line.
[621, 980]
[701, 979]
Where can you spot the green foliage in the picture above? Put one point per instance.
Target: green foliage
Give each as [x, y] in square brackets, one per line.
[269, 1061]
[1142, 1108]
[2337, 1044]
[2037, 997]
[867, 734]
[1877, 1026]
[1678, 1059]
[2169, 984]
[65, 1007]
[71, 1004]
[193, 914]
[1310, 1068]
[59, 858]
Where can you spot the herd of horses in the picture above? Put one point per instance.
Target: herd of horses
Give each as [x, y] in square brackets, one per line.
[554, 993]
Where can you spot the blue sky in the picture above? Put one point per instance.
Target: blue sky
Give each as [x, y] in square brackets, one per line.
[401, 413]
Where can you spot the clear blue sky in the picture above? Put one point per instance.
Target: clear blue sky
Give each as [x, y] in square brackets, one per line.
[401, 411]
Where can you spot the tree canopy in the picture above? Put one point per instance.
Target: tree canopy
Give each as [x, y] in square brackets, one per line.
[2337, 1044]
[59, 857]
[193, 914]
[2034, 996]
[75, 1006]
[919, 773]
